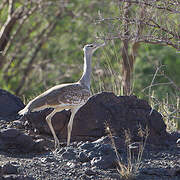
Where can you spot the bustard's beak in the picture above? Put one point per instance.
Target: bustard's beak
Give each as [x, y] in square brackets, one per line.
[98, 45]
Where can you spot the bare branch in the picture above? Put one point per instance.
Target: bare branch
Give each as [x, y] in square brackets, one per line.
[22, 21]
[44, 34]
[3, 3]
[7, 28]
[10, 42]
[158, 26]
[19, 55]
[11, 8]
[156, 84]
[175, 4]
[161, 42]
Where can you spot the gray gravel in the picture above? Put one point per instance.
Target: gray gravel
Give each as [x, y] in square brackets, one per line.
[86, 160]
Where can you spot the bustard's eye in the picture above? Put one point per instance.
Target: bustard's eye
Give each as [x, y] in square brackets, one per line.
[91, 45]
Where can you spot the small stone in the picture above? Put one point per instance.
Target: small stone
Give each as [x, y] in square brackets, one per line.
[90, 172]
[83, 157]
[70, 149]
[85, 164]
[104, 162]
[115, 176]
[60, 151]
[39, 145]
[91, 155]
[69, 155]
[16, 177]
[84, 177]
[87, 145]
[18, 124]
[79, 143]
[71, 164]
[47, 160]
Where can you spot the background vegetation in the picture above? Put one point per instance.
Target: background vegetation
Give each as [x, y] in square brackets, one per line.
[41, 45]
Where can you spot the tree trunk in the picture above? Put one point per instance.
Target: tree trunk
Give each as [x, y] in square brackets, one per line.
[128, 57]
[127, 69]
[7, 28]
[126, 61]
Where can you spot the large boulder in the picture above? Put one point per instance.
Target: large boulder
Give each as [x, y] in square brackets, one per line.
[15, 141]
[9, 105]
[120, 112]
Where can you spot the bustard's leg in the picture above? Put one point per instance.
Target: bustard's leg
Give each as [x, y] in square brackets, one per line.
[48, 119]
[70, 124]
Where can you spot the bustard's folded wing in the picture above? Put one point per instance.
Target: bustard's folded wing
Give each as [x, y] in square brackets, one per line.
[65, 94]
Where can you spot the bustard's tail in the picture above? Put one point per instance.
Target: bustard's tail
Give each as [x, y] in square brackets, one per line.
[36, 104]
[24, 111]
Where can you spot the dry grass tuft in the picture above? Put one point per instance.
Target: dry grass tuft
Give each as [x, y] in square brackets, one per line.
[129, 170]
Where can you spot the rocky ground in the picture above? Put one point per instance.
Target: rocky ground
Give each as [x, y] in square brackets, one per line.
[86, 160]
[27, 152]
[75, 162]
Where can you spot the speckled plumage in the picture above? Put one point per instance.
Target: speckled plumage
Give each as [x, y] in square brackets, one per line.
[65, 94]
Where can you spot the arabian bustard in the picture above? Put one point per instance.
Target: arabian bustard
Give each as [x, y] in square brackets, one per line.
[65, 96]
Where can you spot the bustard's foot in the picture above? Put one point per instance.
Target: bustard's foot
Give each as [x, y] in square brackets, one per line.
[68, 142]
[57, 144]
[68, 139]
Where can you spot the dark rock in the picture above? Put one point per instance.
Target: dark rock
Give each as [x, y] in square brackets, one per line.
[9, 105]
[105, 149]
[39, 145]
[118, 141]
[84, 177]
[16, 177]
[83, 157]
[104, 162]
[25, 141]
[87, 145]
[175, 171]
[103, 156]
[155, 171]
[86, 164]
[120, 112]
[90, 172]
[9, 169]
[48, 159]
[69, 154]
[19, 124]
[117, 176]
[38, 121]
[13, 140]
[9, 133]
[92, 154]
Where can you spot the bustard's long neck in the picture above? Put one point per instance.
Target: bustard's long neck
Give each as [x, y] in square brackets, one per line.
[86, 76]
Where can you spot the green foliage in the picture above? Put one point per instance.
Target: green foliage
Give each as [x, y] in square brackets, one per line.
[153, 56]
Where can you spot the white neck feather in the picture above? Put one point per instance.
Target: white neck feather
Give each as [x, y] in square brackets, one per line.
[86, 76]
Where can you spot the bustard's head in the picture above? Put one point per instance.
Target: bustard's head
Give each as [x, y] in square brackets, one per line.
[91, 48]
